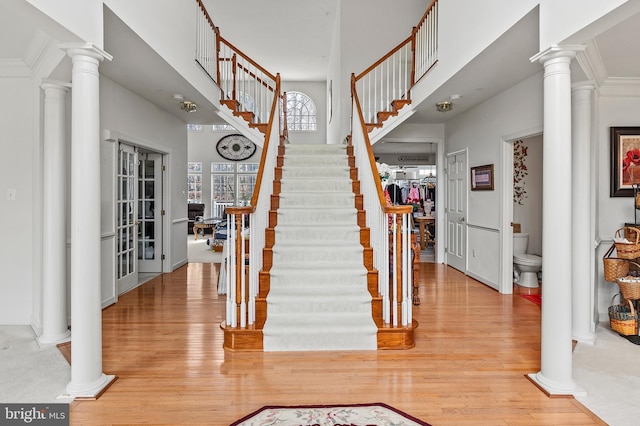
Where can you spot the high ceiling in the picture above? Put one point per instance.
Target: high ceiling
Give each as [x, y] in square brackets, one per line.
[305, 28]
[269, 31]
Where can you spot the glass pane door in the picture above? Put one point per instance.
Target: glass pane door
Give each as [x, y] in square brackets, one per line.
[126, 233]
[150, 213]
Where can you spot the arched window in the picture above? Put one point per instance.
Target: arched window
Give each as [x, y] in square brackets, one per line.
[301, 112]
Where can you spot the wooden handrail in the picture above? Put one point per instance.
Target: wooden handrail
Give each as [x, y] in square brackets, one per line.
[247, 58]
[372, 161]
[259, 80]
[384, 58]
[424, 16]
[265, 147]
[206, 14]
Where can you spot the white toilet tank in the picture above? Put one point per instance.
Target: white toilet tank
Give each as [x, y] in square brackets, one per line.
[520, 243]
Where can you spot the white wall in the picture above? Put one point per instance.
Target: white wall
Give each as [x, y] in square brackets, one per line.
[17, 170]
[613, 212]
[561, 21]
[170, 31]
[335, 82]
[135, 120]
[465, 29]
[369, 30]
[317, 91]
[83, 18]
[483, 131]
[202, 148]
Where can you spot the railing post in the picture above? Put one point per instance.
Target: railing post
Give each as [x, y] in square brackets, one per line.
[240, 301]
[285, 126]
[234, 73]
[218, 63]
[398, 252]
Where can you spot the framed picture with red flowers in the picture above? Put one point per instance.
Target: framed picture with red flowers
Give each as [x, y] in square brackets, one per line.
[625, 160]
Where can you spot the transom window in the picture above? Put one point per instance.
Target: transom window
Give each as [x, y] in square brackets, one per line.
[301, 112]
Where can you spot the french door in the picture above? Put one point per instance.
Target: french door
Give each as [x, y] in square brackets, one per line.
[149, 212]
[139, 215]
[456, 210]
[127, 219]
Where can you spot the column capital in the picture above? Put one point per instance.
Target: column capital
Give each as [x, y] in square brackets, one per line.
[86, 49]
[565, 51]
[583, 85]
[55, 84]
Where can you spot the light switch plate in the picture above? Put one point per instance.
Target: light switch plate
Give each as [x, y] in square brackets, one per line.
[11, 194]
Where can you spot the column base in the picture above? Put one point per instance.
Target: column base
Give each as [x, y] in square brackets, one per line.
[588, 338]
[553, 389]
[90, 390]
[44, 341]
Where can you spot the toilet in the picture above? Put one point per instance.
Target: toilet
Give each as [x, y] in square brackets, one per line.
[525, 266]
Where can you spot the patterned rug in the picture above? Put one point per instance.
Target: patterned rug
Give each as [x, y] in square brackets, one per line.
[376, 414]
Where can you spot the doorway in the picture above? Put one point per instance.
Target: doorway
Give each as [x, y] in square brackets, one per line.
[139, 211]
[456, 210]
[531, 183]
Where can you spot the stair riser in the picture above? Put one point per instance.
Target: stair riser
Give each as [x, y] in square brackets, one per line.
[303, 279]
[307, 309]
[310, 216]
[314, 185]
[289, 172]
[315, 149]
[314, 254]
[303, 199]
[319, 235]
[314, 160]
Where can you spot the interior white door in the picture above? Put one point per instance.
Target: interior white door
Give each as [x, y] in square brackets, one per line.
[456, 210]
[127, 219]
[150, 212]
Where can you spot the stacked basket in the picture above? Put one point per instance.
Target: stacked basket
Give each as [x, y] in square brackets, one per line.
[623, 317]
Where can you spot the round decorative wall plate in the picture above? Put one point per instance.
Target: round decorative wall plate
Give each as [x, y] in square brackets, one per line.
[235, 147]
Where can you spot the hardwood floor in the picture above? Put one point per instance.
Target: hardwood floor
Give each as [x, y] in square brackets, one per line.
[473, 349]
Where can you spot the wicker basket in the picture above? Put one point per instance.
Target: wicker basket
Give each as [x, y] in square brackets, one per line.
[629, 286]
[614, 267]
[630, 250]
[623, 319]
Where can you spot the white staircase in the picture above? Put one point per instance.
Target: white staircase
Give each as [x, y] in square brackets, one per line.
[318, 297]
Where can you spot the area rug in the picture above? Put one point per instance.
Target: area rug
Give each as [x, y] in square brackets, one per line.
[535, 298]
[376, 414]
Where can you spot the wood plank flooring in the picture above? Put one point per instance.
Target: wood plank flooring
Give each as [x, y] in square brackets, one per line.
[473, 349]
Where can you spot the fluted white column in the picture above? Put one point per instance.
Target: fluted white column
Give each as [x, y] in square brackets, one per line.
[87, 378]
[54, 248]
[583, 247]
[555, 376]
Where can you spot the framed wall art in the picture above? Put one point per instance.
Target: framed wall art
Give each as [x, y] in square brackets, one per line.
[482, 178]
[625, 160]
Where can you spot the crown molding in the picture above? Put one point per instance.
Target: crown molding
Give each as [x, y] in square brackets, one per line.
[621, 87]
[591, 63]
[14, 68]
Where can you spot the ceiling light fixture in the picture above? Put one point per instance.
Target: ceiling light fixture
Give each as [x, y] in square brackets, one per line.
[188, 106]
[444, 106]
